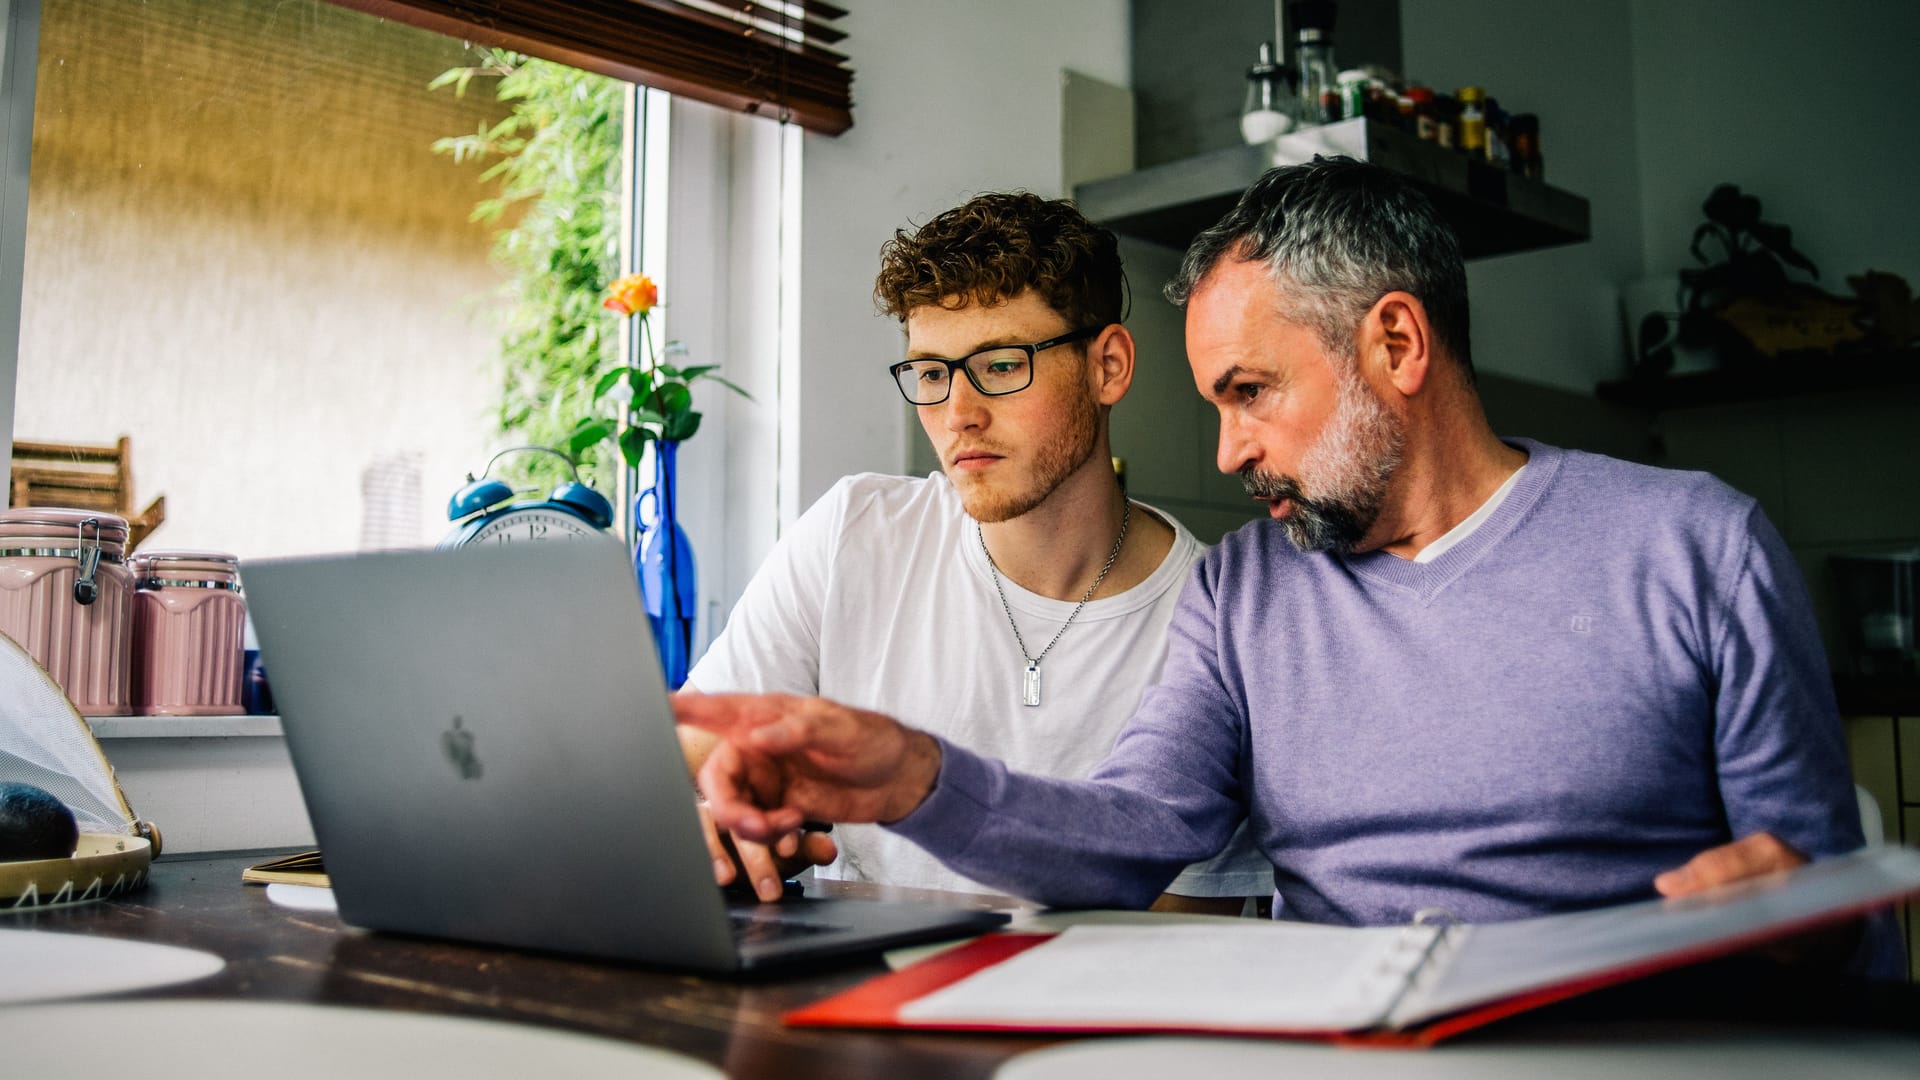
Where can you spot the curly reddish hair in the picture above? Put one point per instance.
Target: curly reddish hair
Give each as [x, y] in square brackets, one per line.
[994, 246]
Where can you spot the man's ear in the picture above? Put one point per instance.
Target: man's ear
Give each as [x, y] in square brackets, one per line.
[1396, 341]
[1110, 364]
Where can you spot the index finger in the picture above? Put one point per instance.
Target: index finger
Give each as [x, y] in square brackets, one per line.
[730, 715]
[735, 806]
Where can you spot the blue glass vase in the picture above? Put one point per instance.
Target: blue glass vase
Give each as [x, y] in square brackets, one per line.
[663, 559]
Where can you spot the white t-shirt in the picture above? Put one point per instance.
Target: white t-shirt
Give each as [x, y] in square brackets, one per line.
[880, 597]
[1452, 537]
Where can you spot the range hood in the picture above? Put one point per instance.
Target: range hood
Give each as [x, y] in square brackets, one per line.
[1495, 212]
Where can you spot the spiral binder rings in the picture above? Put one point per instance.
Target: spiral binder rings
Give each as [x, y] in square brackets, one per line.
[1412, 985]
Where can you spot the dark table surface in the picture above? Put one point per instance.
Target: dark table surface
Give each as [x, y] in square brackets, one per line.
[278, 954]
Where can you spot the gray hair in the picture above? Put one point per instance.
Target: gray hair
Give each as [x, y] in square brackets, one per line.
[1337, 235]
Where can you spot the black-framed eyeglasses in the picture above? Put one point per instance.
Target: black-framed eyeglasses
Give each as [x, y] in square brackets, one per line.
[1001, 369]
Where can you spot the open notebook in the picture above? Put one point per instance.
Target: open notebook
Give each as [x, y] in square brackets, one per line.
[1415, 984]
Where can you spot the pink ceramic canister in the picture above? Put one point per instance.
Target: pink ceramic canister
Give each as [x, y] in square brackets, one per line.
[189, 634]
[66, 596]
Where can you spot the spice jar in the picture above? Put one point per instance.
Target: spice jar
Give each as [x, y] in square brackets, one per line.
[1525, 130]
[1446, 121]
[1473, 120]
[1352, 91]
[66, 597]
[189, 634]
[1425, 124]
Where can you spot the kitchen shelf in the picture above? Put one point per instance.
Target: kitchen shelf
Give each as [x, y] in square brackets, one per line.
[1766, 380]
[1493, 211]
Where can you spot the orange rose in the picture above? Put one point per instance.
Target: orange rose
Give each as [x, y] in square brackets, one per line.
[634, 294]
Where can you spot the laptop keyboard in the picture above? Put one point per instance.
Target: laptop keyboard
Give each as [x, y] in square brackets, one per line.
[762, 929]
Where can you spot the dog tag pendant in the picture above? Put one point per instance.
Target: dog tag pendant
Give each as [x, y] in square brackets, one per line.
[1030, 688]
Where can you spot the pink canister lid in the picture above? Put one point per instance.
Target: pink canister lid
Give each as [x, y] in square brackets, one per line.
[25, 523]
[157, 568]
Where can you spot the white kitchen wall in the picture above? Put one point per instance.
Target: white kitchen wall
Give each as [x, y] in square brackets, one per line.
[1807, 106]
[1551, 316]
[950, 100]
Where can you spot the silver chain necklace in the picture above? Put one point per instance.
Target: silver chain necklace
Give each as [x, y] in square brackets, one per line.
[1030, 686]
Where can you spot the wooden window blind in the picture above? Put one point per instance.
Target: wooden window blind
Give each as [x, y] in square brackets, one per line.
[770, 59]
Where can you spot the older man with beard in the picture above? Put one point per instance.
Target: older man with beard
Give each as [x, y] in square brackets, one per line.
[1455, 670]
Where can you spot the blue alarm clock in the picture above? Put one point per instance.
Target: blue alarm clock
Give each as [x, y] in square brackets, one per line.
[573, 509]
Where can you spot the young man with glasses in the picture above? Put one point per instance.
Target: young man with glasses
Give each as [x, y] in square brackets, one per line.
[1017, 602]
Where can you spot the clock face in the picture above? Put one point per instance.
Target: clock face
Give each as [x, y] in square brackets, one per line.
[531, 523]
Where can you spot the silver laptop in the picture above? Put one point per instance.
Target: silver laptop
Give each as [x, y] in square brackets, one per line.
[487, 753]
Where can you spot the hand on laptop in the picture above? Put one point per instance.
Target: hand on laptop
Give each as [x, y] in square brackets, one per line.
[747, 864]
[785, 760]
[764, 866]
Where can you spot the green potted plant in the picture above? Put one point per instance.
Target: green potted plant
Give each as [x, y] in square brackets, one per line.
[1743, 302]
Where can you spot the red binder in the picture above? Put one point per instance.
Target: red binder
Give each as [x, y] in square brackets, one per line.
[1435, 983]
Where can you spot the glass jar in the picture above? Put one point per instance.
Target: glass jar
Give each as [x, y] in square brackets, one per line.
[66, 596]
[189, 634]
[1319, 96]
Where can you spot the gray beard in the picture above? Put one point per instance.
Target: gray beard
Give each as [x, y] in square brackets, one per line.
[1354, 461]
[1314, 524]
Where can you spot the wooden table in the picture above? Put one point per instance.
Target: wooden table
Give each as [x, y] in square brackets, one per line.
[280, 955]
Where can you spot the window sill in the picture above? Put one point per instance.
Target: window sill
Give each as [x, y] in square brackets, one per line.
[183, 727]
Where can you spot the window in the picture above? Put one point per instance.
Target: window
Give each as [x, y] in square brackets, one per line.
[243, 252]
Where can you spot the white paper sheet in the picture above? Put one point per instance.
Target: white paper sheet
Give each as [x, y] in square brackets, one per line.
[1054, 921]
[1244, 974]
[302, 897]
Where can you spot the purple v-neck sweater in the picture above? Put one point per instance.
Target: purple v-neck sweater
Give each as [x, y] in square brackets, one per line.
[1614, 672]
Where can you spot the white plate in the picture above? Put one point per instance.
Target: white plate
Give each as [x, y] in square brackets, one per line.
[40, 965]
[176, 1040]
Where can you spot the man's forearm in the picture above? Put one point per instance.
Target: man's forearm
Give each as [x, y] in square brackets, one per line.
[1069, 843]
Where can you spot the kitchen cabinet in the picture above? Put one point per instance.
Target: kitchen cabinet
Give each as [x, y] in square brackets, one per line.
[1885, 752]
